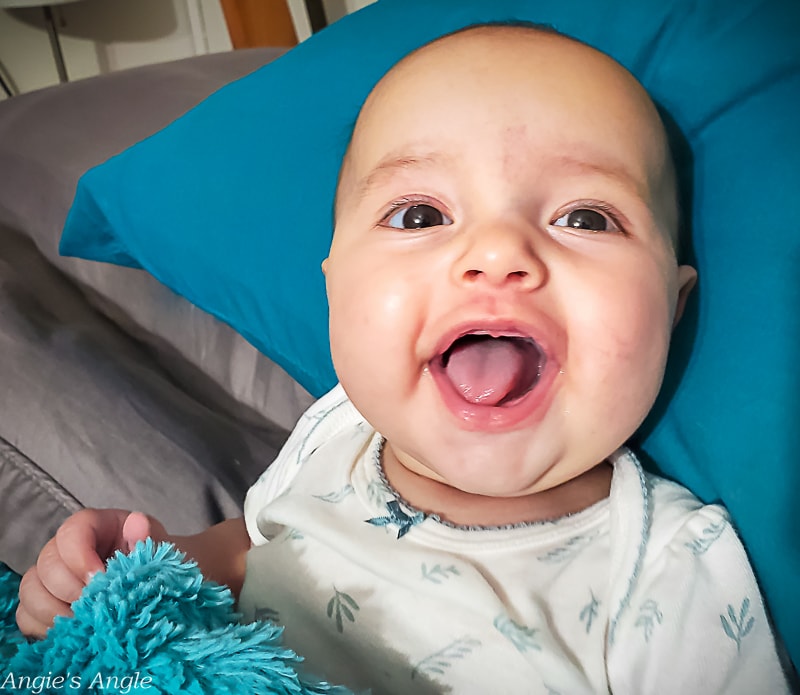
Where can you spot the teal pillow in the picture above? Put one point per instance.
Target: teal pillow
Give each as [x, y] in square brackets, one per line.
[230, 206]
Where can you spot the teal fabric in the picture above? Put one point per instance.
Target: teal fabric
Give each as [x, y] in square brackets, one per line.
[231, 207]
[150, 623]
[10, 637]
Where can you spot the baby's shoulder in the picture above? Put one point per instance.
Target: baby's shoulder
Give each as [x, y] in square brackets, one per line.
[691, 546]
[691, 599]
[680, 522]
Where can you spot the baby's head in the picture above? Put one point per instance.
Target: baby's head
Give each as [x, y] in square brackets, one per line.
[502, 280]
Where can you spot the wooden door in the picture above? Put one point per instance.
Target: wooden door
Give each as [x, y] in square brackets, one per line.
[259, 23]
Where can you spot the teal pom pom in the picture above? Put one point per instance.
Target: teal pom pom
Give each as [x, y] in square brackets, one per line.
[152, 624]
[10, 639]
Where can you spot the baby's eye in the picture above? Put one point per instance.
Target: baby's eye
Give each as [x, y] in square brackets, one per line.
[418, 216]
[588, 219]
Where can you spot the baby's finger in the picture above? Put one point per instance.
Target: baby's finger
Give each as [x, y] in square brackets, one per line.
[87, 538]
[28, 625]
[37, 607]
[55, 577]
[136, 528]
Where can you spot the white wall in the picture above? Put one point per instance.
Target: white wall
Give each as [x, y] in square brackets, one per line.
[99, 36]
[336, 9]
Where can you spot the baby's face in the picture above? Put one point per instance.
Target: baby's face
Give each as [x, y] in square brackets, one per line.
[502, 284]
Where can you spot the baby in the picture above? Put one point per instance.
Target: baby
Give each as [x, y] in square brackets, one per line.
[460, 514]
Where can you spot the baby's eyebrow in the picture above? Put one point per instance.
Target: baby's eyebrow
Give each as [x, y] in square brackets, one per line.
[391, 164]
[603, 167]
[576, 164]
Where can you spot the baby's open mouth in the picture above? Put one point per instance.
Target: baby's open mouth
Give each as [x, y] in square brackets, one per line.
[492, 370]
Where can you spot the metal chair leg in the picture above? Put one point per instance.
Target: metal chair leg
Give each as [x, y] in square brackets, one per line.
[316, 15]
[6, 87]
[55, 44]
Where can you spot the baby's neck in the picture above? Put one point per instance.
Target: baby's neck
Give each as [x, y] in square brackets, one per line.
[468, 509]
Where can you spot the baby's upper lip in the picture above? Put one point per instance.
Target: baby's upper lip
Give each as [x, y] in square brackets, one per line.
[496, 328]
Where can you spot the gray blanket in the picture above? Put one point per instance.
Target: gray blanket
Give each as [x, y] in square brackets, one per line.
[89, 418]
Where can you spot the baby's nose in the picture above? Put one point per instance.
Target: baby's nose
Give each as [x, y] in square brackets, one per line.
[502, 256]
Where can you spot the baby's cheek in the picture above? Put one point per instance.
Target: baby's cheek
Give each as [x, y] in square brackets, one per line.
[357, 326]
[643, 339]
[641, 358]
[627, 348]
[641, 316]
[390, 304]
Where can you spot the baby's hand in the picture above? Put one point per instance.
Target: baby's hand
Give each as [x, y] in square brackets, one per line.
[78, 550]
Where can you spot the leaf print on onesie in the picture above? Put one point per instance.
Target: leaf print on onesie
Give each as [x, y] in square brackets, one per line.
[337, 495]
[442, 660]
[265, 614]
[521, 636]
[439, 574]
[649, 617]
[589, 612]
[568, 550]
[378, 493]
[711, 533]
[738, 627]
[342, 606]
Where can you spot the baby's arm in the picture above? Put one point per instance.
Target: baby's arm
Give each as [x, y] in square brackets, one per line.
[220, 551]
[89, 537]
[696, 622]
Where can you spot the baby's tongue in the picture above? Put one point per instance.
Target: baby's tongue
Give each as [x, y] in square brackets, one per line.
[485, 370]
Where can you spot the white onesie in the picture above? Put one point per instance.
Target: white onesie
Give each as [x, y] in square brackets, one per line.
[648, 591]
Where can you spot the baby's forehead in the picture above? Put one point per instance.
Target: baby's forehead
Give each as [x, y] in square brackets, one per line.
[519, 61]
[531, 61]
[529, 52]
[489, 44]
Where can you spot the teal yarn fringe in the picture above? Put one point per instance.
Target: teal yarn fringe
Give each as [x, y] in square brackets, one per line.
[150, 624]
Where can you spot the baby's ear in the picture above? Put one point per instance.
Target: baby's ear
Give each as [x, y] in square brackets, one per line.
[687, 277]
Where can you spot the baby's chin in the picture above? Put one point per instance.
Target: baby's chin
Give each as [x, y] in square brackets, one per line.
[492, 470]
[471, 491]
